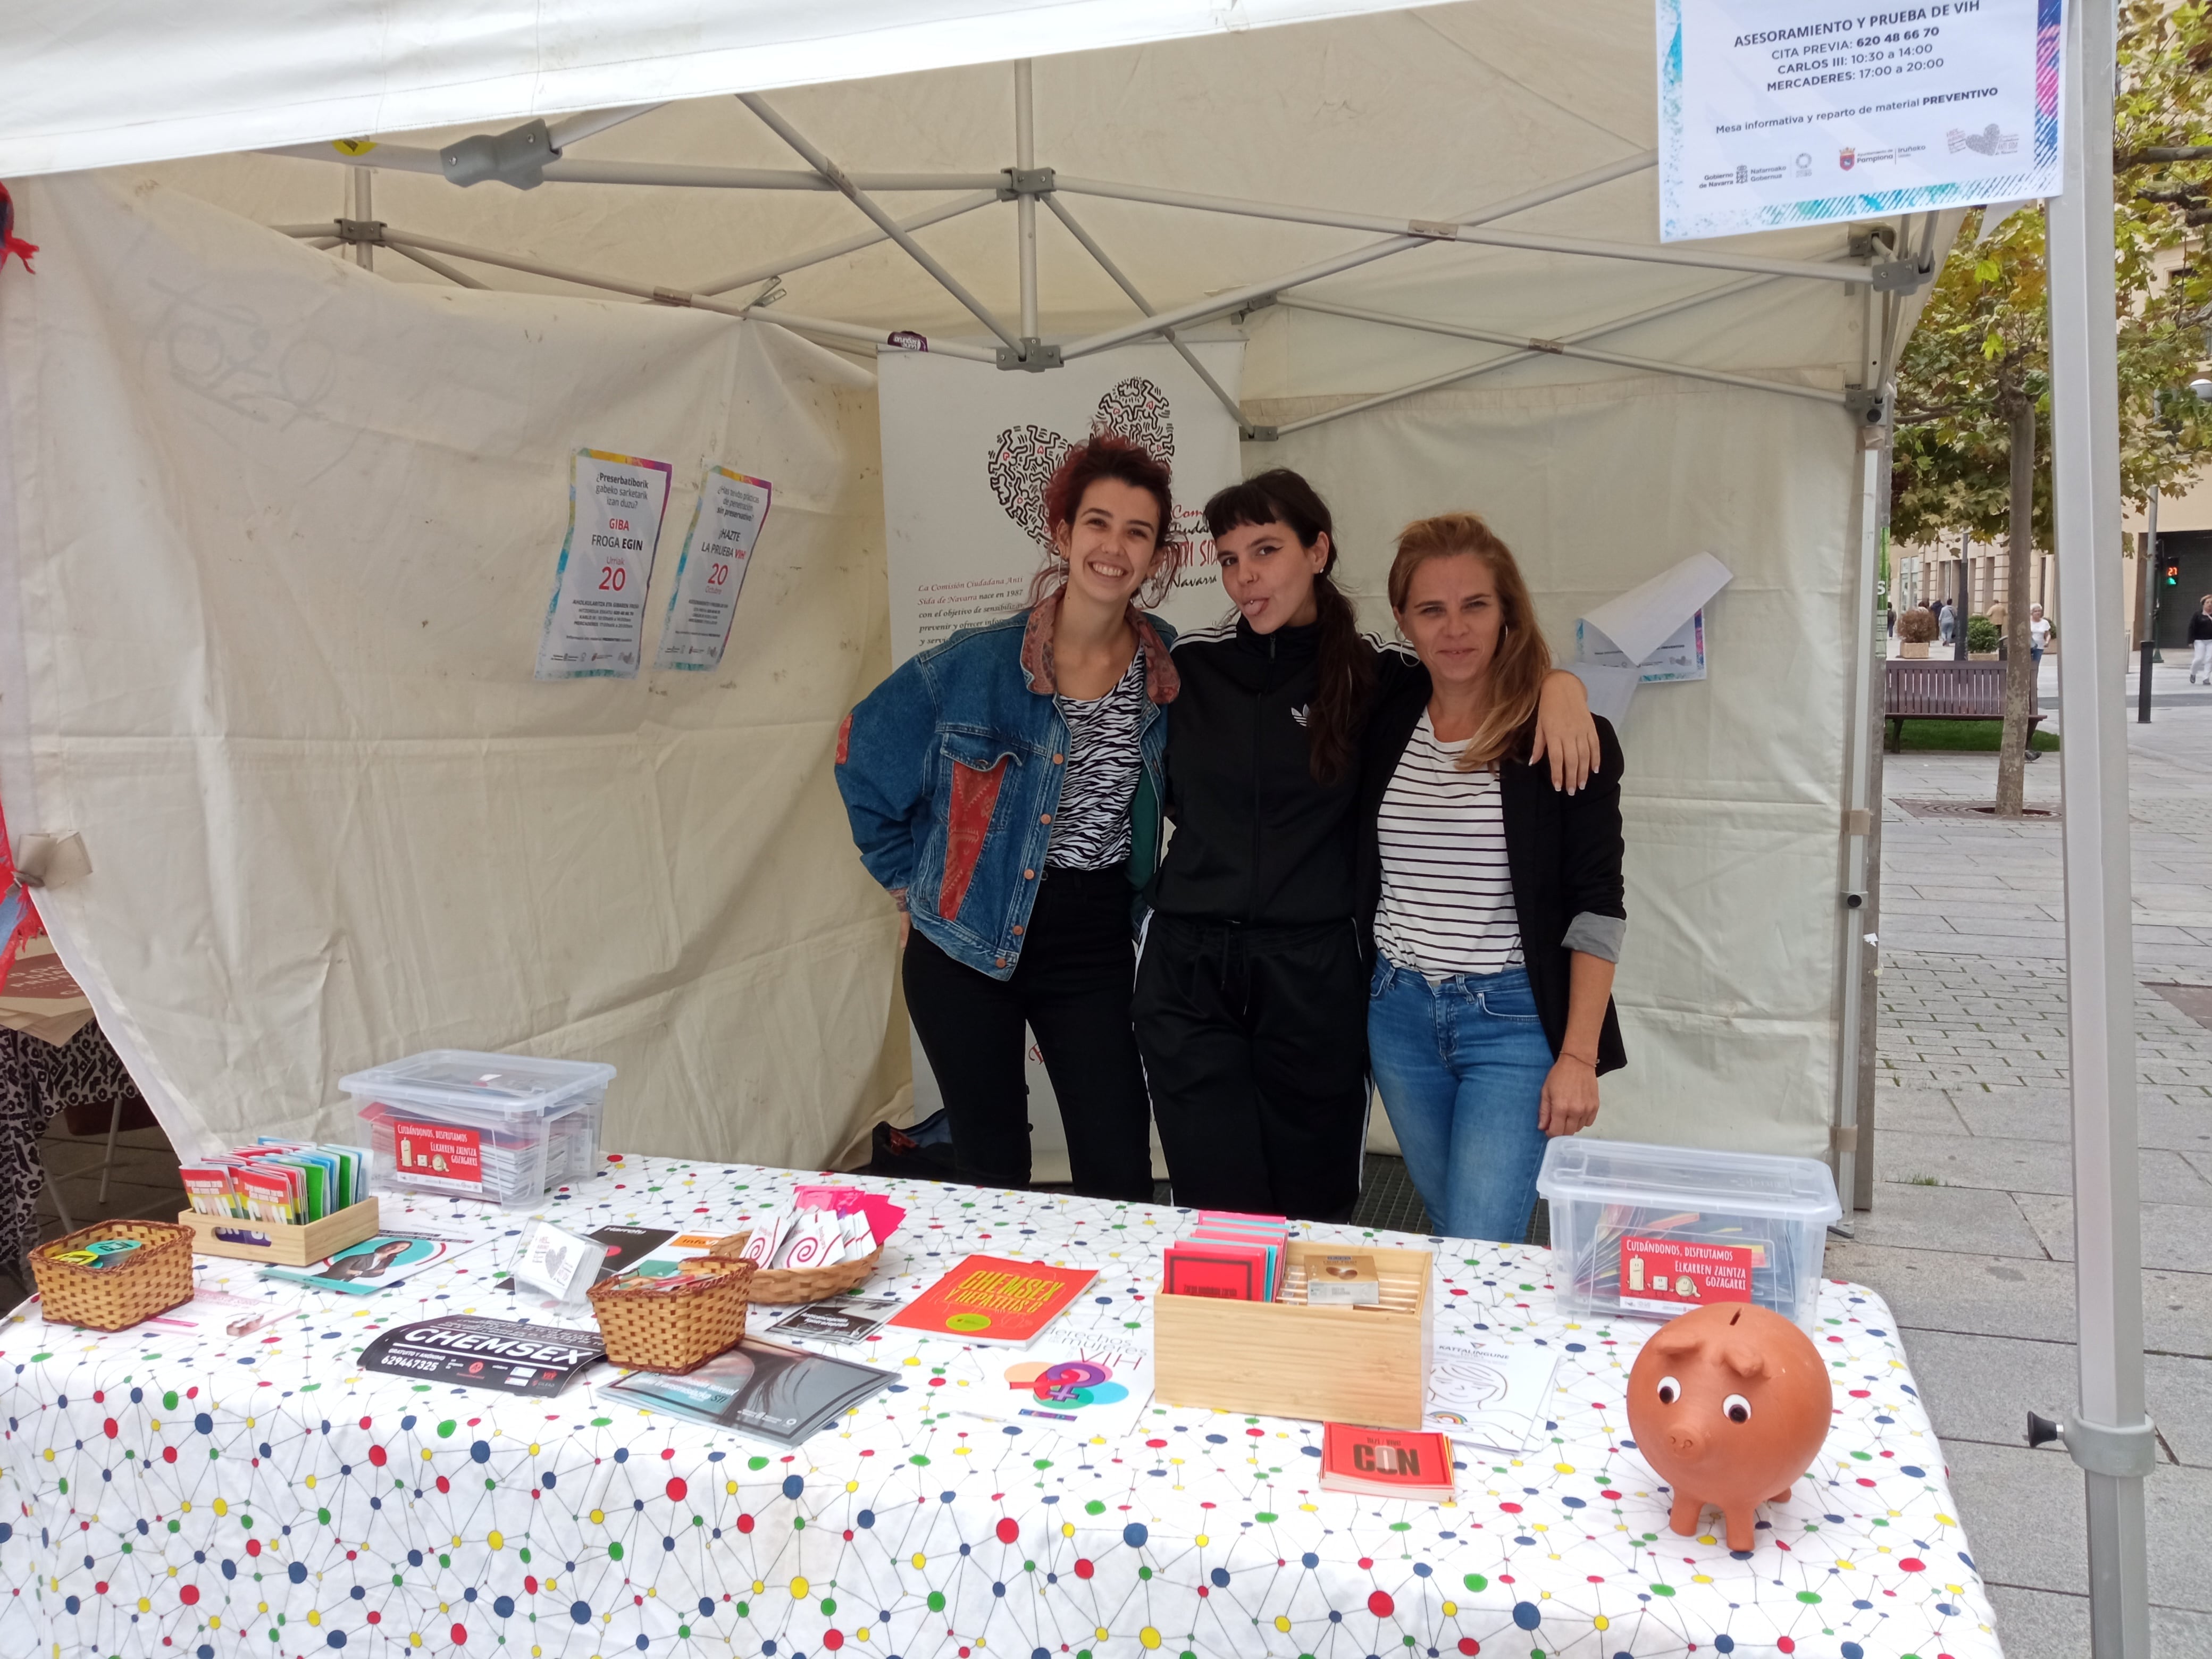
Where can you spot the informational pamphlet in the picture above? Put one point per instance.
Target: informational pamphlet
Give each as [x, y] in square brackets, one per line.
[1775, 113]
[989, 1299]
[595, 625]
[1671, 1276]
[726, 526]
[1385, 1462]
[840, 1321]
[1490, 1394]
[769, 1393]
[376, 1264]
[485, 1353]
[1070, 1385]
[625, 1245]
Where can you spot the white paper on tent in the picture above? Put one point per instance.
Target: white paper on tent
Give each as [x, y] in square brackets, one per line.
[1654, 632]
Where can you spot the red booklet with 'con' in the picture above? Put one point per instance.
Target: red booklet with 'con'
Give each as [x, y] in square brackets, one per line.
[1385, 1462]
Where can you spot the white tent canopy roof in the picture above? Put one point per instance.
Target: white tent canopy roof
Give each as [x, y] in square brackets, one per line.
[133, 81]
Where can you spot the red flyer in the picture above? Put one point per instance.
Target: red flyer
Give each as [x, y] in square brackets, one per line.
[1672, 1275]
[991, 1298]
[438, 1155]
[1234, 1273]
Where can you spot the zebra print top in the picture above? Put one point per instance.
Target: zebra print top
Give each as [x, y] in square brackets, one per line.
[1090, 829]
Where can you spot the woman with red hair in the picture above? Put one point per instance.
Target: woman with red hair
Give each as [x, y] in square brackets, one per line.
[1004, 786]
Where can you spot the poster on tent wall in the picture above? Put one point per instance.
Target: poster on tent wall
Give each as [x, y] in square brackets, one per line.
[1781, 113]
[595, 625]
[966, 450]
[725, 526]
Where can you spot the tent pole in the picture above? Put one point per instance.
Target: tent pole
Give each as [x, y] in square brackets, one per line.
[2110, 1436]
[1489, 364]
[451, 273]
[1564, 348]
[860, 199]
[1440, 230]
[1221, 305]
[1025, 205]
[364, 254]
[586, 123]
[935, 215]
[405, 242]
[579, 170]
[1106, 265]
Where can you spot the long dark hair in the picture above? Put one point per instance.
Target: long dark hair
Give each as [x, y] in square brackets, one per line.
[1346, 666]
[1109, 455]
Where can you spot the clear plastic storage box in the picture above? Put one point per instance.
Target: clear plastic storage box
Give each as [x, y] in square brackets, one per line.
[507, 1127]
[1649, 1232]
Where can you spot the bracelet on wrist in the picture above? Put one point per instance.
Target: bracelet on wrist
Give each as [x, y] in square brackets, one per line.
[1567, 1055]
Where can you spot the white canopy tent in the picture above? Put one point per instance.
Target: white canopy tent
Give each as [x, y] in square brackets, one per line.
[279, 526]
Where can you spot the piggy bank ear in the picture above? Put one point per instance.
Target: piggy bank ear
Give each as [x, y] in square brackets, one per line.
[1677, 1344]
[1742, 1360]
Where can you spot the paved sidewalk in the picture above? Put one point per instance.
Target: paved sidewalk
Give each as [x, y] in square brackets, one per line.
[1971, 1236]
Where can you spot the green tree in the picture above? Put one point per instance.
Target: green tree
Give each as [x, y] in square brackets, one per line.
[1973, 385]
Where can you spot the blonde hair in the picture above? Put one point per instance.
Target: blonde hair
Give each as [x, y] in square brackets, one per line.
[1522, 659]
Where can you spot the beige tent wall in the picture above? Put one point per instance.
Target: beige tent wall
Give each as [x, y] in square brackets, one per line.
[279, 542]
[1734, 794]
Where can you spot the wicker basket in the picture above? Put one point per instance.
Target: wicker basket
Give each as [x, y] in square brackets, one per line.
[153, 1278]
[786, 1285]
[673, 1325]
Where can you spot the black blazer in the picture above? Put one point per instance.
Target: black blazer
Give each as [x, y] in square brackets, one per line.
[1564, 851]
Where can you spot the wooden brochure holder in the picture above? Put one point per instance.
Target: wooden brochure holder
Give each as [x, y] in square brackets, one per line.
[1283, 1359]
[290, 1245]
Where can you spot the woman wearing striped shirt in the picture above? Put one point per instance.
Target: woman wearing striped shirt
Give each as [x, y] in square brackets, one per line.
[1499, 900]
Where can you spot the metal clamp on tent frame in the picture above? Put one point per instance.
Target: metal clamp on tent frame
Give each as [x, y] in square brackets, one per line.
[517, 157]
[1035, 356]
[1026, 181]
[2130, 1452]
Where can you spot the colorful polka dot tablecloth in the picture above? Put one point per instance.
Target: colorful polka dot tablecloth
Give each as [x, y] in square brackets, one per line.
[194, 1493]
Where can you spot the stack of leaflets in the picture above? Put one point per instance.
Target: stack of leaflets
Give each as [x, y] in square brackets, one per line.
[274, 1180]
[763, 1391]
[1238, 1258]
[376, 1264]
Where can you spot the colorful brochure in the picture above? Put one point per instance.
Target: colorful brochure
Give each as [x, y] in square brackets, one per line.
[989, 1299]
[774, 1393]
[473, 1352]
[376, 1264]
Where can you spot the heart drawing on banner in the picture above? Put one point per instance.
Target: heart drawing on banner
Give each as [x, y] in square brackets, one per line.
[1024, 457]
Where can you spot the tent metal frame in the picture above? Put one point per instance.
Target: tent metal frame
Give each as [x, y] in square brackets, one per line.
[2109, 1434]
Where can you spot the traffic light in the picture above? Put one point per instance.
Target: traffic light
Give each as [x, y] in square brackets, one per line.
[2173, 575]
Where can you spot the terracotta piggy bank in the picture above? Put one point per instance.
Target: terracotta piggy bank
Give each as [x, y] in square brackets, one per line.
[1728, 1404]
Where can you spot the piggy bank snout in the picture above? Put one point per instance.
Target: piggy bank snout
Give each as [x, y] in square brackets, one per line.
[1684, 1442]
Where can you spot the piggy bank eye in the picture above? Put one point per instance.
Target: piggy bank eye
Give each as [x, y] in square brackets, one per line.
[1737, 1407]
[1669, 1391]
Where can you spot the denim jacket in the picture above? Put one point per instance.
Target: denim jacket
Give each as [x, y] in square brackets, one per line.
[950, 771]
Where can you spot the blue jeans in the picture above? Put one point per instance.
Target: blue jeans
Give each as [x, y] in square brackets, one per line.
[1461, 1068]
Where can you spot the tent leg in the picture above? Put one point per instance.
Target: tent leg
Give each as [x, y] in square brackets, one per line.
[1858, 831]
[1025, 205]
[364, 253]
[2109, 1436]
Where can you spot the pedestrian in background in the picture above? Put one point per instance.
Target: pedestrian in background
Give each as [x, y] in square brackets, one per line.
[2200, 642]
[1946, 619]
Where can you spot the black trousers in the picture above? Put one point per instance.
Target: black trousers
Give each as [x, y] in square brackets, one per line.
[1254, 1041]
[1072, 988]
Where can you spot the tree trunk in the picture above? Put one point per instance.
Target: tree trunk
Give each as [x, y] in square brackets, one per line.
[2020, 665]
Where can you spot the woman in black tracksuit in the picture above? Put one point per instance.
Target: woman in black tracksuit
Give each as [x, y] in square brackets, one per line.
[1251, 997]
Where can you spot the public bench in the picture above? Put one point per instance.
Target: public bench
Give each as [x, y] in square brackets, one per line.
[1932, 689]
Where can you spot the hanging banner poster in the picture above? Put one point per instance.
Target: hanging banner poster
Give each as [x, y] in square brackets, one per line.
[731, 511]
[1777, 113]
[595, 626]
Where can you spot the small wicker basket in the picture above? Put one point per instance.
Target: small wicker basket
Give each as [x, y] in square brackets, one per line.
[782, 1286]
[673, 1324]
[153, 1278]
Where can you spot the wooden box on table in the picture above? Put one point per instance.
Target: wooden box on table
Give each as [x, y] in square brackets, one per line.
[1283, 1359]
[289, 1244]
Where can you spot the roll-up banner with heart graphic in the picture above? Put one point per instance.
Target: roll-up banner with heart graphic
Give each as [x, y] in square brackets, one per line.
[967, 451]
[968, 448]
